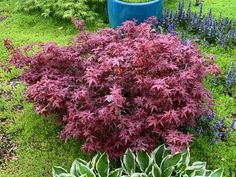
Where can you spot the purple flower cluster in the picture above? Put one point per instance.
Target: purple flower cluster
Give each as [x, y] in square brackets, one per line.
[231, 77]
[217, 129]
[204, 28]
[228, 80]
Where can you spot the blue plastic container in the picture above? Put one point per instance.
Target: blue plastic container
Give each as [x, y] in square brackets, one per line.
[119, 11]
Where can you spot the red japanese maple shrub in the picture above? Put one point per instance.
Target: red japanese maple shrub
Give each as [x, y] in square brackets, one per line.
[118, 88]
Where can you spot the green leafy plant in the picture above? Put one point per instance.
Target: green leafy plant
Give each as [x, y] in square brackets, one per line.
[66, 9]
[159, 163]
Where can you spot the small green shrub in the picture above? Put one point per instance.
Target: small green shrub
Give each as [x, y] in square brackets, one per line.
[160, 163]
[66, 9]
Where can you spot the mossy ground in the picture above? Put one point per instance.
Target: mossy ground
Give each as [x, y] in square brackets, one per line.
[36, 137]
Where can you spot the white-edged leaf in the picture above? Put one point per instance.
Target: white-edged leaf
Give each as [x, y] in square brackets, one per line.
[85, 170]
[193, 174]
[94, 160]
[129, 162]
[217, 173]
[197, 166]
[181, 168]
[186, 158]
[102, 165]
[82, 161]
[139, 175]
[143, 160]
[74, 168]
[157, 154]
[168, 172]
[201, 172]
[170, 161]
[57, 170]
[149, 168]
[66, 175]
[116, 173]
[156, 171]
[208, 173]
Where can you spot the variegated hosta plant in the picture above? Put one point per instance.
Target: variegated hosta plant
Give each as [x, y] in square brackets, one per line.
[159, 163]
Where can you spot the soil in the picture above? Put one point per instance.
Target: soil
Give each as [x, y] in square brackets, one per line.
[7, 149]
[2, 18]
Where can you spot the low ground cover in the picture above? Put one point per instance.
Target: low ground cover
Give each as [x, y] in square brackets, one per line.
[38, 147]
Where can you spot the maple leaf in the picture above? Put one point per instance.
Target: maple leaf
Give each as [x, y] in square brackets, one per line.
[118, 88]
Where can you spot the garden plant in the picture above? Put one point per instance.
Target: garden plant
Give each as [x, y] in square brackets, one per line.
[159, 163]
[133, 83]
[71, 90]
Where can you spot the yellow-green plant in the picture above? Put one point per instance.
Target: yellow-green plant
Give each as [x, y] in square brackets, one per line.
[66, 9]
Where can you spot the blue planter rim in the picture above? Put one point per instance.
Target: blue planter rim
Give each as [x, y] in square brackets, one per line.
[136, 4]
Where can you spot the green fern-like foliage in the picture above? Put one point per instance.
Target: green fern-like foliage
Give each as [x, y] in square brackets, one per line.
[159, 163]
[66, 9]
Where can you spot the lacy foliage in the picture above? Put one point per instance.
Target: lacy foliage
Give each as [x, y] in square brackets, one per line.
[118, 89]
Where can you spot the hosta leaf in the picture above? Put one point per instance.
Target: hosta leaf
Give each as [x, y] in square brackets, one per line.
[149, 168]
[139, 175]
[57, 170]
[197, 166]
[182, 173]
[143, 160]
[185, 158]
[129, 162]
[170, 161]
[82, 161]
[166, 153]
[94, 160]
[102, 165]
[84, 170]
[116, 173]
[200, 172]
[192, 174]
[217, 173]
[157, 154]
[208, 173]
[143, 175]
[156, 171]
[168, 172]
[66, 175]
[181, 168]
[74, 168]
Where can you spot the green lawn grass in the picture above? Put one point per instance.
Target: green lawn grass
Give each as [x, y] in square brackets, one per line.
[36, 137]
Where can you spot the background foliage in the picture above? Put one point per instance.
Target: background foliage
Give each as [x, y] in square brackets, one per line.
[89, 10]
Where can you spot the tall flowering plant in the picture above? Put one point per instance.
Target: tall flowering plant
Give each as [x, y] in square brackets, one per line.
[118, 88]
[204, 28]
